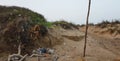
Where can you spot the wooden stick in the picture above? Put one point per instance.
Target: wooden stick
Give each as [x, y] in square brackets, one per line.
[23, 57]
[19, 49]
[84, 52]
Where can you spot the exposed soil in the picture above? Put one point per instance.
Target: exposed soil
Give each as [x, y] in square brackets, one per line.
[99, 48]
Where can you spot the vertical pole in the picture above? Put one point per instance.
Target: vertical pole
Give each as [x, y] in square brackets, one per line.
[86, 28]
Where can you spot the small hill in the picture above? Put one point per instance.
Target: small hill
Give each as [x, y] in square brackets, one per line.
[106, 28]
[65, 25]
[22, 26]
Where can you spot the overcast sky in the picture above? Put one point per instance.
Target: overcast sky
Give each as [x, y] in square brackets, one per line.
[70, 10]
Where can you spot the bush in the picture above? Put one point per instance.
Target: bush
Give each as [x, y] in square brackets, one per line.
[64, 24]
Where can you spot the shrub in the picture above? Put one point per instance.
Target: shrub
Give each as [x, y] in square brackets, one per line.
[64, 24]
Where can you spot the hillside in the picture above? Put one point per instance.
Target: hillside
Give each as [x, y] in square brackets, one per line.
[103, 41]
[106, 28]
[31, 30]
[100, 46]
[23, 26]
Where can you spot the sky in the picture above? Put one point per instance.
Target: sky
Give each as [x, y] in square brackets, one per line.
[74, 11]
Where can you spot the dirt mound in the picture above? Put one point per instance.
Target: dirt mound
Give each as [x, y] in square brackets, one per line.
[21, 25]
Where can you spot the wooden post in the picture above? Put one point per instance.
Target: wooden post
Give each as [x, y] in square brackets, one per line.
[86, 28]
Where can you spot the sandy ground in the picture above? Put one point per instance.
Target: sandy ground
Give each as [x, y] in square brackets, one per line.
[98, 48]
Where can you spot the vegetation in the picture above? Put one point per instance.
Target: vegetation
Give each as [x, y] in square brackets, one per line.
[65, 25]
[12, 12]
[112, 27]
[104, 24]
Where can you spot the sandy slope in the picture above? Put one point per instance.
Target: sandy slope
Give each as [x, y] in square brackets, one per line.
[98, 48]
